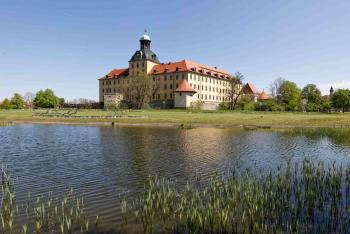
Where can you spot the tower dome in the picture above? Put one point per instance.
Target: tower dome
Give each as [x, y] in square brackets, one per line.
[145, 52]
[145, 36]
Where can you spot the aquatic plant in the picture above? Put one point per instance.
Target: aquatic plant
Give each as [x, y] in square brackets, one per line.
[300, 198]
[49, 215]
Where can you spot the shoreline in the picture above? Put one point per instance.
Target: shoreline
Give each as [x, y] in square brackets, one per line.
[174, 125]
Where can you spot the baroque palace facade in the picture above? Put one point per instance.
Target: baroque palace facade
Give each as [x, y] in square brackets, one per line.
[181, 84]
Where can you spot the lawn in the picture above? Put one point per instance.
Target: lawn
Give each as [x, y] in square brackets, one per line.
[174, 117]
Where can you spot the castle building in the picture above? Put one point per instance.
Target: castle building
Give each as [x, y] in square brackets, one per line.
[179, 84]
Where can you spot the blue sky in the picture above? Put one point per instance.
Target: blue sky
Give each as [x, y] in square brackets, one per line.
[68, 45]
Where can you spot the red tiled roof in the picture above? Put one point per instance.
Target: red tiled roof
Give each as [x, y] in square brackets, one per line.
[264, 96]
[187, 65]
[252, 88]
[185, 87]
[116, 72]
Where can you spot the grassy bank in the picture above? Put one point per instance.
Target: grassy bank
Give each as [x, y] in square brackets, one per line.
[194, 118]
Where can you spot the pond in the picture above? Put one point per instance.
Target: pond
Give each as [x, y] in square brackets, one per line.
[103, 162]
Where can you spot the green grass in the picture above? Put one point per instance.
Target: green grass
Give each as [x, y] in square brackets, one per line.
[193, 118]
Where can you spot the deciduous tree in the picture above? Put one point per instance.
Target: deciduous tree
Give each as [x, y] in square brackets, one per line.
[235, 90]
[288, 96]
[341, 99]
[313, 97]
[142, 89]
[46, 99]
[17, 101]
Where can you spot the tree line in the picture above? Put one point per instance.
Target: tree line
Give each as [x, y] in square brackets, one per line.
[287, 96]
[42, 99]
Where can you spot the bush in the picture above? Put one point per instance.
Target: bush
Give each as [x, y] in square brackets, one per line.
[249, 106]
[268, 105]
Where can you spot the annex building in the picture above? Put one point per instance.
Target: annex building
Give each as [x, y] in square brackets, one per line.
[180, 84]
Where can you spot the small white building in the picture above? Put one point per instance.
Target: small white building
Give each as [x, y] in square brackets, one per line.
[184, 95]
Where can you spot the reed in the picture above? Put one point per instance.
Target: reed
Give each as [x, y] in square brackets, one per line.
[311, 197]
[66, 215]
[7, 123]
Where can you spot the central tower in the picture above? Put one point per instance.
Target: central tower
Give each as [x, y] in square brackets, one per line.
[143, 59]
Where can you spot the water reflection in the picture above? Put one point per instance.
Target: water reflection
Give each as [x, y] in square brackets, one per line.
[104, 162]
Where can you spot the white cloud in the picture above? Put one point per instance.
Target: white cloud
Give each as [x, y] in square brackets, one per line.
[324, 87]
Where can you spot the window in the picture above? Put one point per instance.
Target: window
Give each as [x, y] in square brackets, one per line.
[176, 77]
[171, 86]
[177, 85]
[114, 90]
[132, 65]
[171, 77]
[171, 96]
[165, 77]
[183, 76]
[194, 86]
[165, 96]
[137, 65]
[114, 82]
[143, 64]
[158, 96]
[165, 86]
[103, 90]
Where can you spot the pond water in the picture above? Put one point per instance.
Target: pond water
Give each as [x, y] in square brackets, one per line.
[103, 162]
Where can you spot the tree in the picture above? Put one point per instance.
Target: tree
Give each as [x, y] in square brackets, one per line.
[288, 95]
[46, 99]
[6, 104]
[235, 90]
[312, 95]
[275, 86]
[341, 99]
[142, 89]
[17, 102]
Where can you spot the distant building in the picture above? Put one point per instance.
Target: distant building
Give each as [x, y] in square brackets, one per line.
[250, 92]
[263, 96]
[181, 84]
